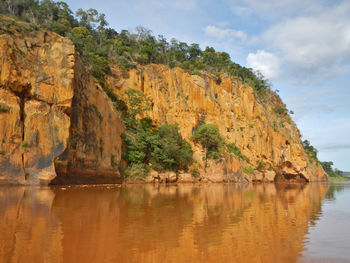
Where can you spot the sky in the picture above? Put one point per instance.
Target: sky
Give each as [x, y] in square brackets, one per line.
[301, 46]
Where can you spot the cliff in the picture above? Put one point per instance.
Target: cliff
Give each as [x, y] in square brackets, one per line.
[58, 125]
[265, 135]
[55, 119]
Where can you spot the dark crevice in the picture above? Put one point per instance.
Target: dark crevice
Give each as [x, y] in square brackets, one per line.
[23, 95]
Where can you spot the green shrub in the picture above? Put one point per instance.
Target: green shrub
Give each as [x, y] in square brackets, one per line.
[248, 170]
[4, 108]
[24, 145]
[261, 164]
[218, 79]
[232, 148]
[209, 137]
[162, 147]
[280, 110]
[194, 172]
[137, 171]
[310, 150]
[2, 152]
[113, 163]
[327, 167]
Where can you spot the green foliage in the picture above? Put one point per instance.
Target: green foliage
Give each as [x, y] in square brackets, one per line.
[4, 108]
[161, 147]
[24, 145]
[232, 148]
[261, 164]
[113, 163]
[218, 79]
[248, 170]
[137, 103]
[194, 172]
[97, 112]
[2, 152]
[209, 137]
[310, 150]
[170, 152]
[98, 65]
[280, 110]
[327, 167]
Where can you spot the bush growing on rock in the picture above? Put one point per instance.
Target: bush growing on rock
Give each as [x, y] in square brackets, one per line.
[209, 137]
[163, 147]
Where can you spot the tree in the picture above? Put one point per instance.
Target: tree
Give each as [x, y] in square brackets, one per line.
[209, 137]
[327, 167]
[310, 150]
[172, 152]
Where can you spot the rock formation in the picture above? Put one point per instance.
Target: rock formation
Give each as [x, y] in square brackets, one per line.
[264, 135]
[55, 119]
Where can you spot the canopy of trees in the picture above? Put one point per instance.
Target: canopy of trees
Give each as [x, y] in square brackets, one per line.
[327, 167]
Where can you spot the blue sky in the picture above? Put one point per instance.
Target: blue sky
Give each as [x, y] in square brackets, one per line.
[303, 47]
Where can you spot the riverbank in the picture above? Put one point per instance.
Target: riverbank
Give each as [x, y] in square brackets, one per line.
[338, 179]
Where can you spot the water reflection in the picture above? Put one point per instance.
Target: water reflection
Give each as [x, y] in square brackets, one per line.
[185, 223]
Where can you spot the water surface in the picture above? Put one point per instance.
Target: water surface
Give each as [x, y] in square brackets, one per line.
[185, 223]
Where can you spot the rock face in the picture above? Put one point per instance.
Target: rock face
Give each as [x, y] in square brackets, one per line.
[53, 117]
[263, 135]
[57, 125]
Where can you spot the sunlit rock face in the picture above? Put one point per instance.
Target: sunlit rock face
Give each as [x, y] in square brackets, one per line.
[185, 223]
[55, 119]
[242, 117]
[57, 125]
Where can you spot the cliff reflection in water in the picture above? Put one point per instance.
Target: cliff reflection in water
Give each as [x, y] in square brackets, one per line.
[185, 223]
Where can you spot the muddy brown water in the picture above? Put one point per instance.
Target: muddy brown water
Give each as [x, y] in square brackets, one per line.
[184, 223]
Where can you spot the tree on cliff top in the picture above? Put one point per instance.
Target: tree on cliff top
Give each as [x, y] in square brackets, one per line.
[100, 45]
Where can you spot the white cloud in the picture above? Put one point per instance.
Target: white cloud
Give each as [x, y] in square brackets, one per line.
[270, 9]
[266, 63]
[316, 47]
[221, 33]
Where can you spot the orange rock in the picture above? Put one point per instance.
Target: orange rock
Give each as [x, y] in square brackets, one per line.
[46, 131]
[242, 118]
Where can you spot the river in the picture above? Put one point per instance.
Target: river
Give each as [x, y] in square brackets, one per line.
[184, 223]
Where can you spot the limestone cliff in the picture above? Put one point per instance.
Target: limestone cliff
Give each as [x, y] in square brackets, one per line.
[53, 116]
[55, 119]
[264, 135]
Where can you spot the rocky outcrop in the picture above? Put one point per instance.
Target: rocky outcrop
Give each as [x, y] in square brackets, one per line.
[57, 125]
[53, 115]
[268, 138]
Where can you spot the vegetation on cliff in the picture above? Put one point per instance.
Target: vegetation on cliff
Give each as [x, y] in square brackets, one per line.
[209, 137]
[100, 45]
[145, 146]
[332, 172]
